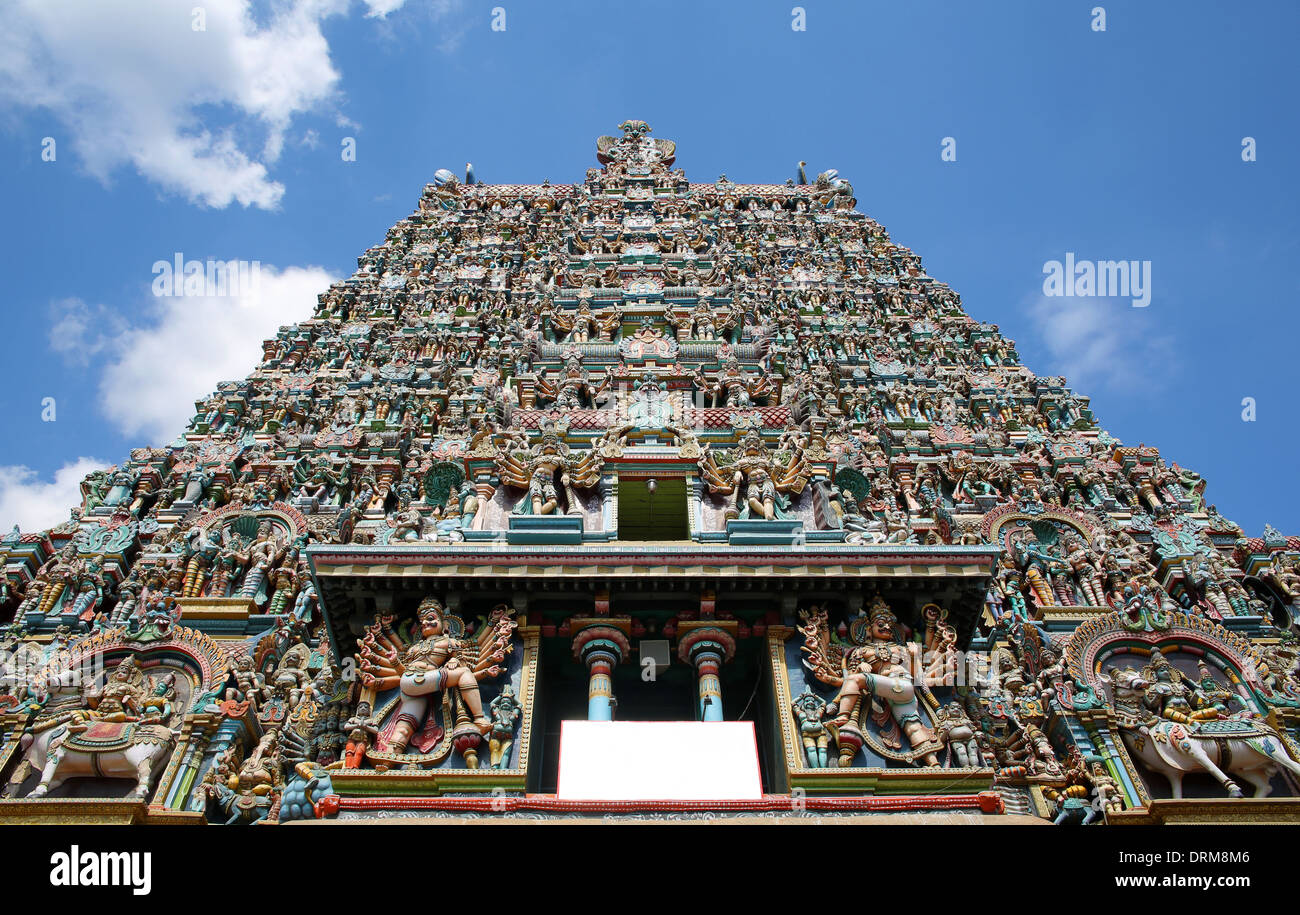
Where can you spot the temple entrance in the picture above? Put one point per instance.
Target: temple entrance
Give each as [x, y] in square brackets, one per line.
[652, 509]
[672, 696]
[659, 761]
[669, 697]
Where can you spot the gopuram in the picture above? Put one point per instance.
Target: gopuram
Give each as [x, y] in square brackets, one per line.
[639, 449]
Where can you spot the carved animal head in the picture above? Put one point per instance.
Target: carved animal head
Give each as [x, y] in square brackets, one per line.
[1128, 681]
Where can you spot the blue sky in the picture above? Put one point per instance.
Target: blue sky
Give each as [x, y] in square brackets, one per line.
[225, 143]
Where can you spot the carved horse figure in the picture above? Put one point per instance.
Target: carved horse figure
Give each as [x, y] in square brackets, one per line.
[1241, 746]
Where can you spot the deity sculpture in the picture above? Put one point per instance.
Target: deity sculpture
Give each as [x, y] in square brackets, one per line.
[1171, 726]
[958, 733]
[875, 677]
[752, 479]
[361, 730]
[437, 661]
[506, 712]
[811, 712]
[549, 471]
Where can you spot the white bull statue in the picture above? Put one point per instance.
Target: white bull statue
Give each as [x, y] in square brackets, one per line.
[1245, 747]
[70, 746]
[105, 750]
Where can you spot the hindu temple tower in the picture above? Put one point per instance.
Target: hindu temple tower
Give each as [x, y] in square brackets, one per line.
[567, 478]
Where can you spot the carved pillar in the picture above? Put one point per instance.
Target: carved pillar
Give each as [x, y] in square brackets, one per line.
[12, 724]
[600, 662]
[526, 385]
[196, 735]
[694, 505]
[227, 731]
[173, 787]
[706, 645]
[601, 645]
[707, 658]
[609, 501]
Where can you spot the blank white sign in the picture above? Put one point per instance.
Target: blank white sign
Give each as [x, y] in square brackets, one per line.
[658, 761]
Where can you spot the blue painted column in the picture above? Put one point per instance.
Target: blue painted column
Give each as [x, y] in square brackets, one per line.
[708, 660]
[600, 685]
[706, 646]
[601, 647]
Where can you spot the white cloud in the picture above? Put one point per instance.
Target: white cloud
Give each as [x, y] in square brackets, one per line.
[1099, 342]
[135, 84]
[156, 372]
[139, 84]
[35, 505]
[381, 8]
[435, 9]
[80, 331]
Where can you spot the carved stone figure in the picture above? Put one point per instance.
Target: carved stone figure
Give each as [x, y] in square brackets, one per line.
[436, 662]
